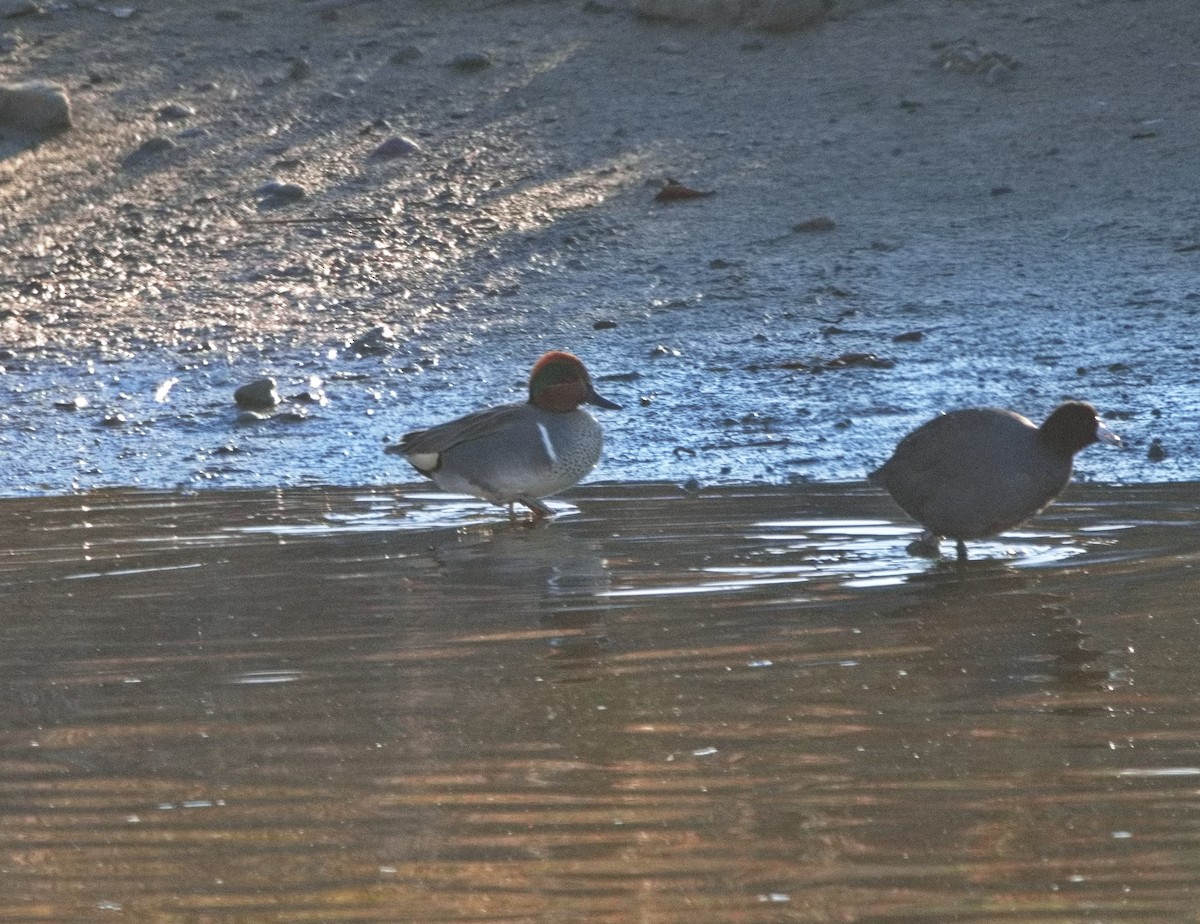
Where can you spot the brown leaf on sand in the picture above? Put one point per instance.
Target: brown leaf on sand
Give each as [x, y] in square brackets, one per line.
[673, 190]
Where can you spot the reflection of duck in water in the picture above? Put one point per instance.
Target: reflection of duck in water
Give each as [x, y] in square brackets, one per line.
[980, 471]
[524, 571]
[517, 453]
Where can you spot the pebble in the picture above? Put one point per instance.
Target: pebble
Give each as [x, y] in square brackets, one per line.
[819, 224]
[790, 15]
[396, 146]
[274, 194]
[662, 350]
[148, 150]
[912, 336]
[967, 57]
[35, 106]
[864, 360]
[78, 403]
[604, 325]
[406, 54]
[173, 112]
[1157, 452]
[11, 9]
[378, 341]
[300, 70]
[261, 393]
[471, 61]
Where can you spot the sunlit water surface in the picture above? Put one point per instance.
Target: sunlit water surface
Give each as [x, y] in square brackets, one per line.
[387, 705]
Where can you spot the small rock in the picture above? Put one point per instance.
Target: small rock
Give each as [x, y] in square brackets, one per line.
[300, 70]
[790, 15]
[692, 485]
[11, 9]
[396, 146]
[471, 61]
[78, 403]
[863, 360]
[1156, 452]
[604, 325]
[292, 415]
[817, 225]
[966, 56]
[406, 54]
[261, 393]
[378, 341]
[35, 106]
[661, 350]
[273, 194]
[1001, 190]
[174, 112]
[912, 336]
[147, 151]
[115, 419]
[672, 191]
[246, 418]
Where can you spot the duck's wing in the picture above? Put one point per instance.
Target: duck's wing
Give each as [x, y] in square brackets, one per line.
[424, 448]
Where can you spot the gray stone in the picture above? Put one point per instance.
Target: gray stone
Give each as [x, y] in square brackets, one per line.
[396, 146]
[149, 150]
[174, 112]
[258, 394]
[11, 9]
[471, 61]
[35, 106]
[300, 70]
[790, 15]
[406, 55]
[273, 194]
[378, 341]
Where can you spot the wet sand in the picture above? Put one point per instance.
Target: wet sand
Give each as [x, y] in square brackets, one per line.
[1036, 230]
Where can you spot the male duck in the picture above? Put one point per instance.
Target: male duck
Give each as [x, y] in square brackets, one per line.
[517, 453]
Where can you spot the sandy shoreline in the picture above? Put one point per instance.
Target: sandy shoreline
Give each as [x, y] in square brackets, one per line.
[1034, 224]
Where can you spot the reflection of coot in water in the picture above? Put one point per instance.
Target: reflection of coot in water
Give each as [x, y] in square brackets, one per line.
[980, 471]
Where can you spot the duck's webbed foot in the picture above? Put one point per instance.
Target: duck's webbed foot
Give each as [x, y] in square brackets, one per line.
[540, 511]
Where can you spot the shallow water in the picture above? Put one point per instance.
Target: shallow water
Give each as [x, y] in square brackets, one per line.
[743, 705]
